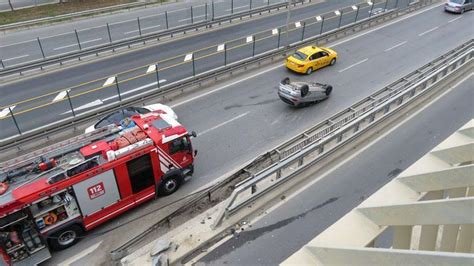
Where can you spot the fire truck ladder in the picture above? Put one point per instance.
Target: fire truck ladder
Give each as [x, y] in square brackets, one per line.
[59, 148]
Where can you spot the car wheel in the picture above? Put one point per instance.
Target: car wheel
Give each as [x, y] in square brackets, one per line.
[65, 237]
[333, 61]
[328, 90]
[309, 71]
[169, 186]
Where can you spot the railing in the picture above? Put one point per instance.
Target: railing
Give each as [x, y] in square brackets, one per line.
[299, 155]
[43, 52]
[185, 83]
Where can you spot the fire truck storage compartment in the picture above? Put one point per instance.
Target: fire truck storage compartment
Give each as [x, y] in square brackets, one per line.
[20, 239]
[54, 211]
[97, 192]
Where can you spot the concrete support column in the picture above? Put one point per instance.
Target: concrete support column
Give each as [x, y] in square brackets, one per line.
[465, 242]
[402, 237]
[429, 233]
[450, 232]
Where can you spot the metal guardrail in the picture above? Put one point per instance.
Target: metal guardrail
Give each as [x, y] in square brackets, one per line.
[211, 76]
[209, 23]
[300, 155]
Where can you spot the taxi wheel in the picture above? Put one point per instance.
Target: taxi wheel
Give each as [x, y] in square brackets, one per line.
[309, 70]
[333, 61]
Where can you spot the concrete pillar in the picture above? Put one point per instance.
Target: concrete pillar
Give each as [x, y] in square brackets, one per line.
[429, 233]
[450, 232]
[465, 242]
[402, 237]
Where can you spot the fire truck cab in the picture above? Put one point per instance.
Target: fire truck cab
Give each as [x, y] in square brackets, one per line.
[49, 198]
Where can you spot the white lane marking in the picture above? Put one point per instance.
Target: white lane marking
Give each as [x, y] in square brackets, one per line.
[428, 31]
[60, 96]
[222, 124]
[395, 46]
[334, 45]
[237, 7]
[135, 90]
[17, 57]
[454, 19]
[75, 44]
[85, 252]
[109, 81]
[146, 28]
[353, 65]
[194, 17]
[6, 111]
[85, 106]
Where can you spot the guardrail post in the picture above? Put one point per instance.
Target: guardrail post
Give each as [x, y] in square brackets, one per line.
[157, 76]
[118, 89]
[340, 18]
[322, 23]
[166, 19]
[70, 103]
[1, 63]
[139, 26]
[77, 38]
[304, 27]
[253, 189]
[41, 47]
[357, 13]
[278, 174]
[108, 31]
[192, 17]
[14, 120]
[225, 54]
[194, 67]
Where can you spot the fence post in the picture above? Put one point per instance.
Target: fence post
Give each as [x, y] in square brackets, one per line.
[139, 26]
[14, 120]
[192, 19]
[157, 76]
[357, 13]
[304, 27]
[371, 9]
[396, 3]
[231, 6]
[268, 3]
[212, 6]
[77, 38]
[194, 67]
[279, 37]
[11, 6]
[118, 89]
[70, 103]
[322, 23]
[206, 10]
[250, 9]
[386, 3]
[340, 18]
[253, 46]
[225, 54]
[1, 63]
[166, 18]
[108, 31]
[41, 47]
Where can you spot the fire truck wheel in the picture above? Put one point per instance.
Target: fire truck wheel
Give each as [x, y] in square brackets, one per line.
[65, 237]
[169, 186]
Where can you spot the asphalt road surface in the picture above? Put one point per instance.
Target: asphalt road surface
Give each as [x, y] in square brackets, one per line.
[240, 120]
[23, 47]
[54, 83]
[283, 231]
[15, 4]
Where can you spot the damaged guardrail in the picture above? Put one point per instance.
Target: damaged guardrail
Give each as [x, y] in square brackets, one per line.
[319, 142]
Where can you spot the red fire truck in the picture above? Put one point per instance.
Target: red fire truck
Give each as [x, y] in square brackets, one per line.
[49, 198]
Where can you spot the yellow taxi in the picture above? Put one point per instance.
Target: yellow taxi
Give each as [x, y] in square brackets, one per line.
[310, 58]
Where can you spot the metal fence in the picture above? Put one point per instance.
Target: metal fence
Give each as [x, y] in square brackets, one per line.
[362, 117]
[41, 48]
[16, 118]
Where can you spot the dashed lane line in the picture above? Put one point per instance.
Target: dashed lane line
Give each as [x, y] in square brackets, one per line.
[353, 65]
[428, 31]
[395, 46]
[143, 29]
[222, 124]
[75, 44]
[454, 19]
[16, 57]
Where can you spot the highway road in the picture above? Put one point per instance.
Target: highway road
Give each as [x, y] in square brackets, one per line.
[284, 230]
[16, 4]
[56, 82]
[23, 47]
[244, 118]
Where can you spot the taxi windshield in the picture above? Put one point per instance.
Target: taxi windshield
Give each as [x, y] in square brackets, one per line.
[299, 55]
